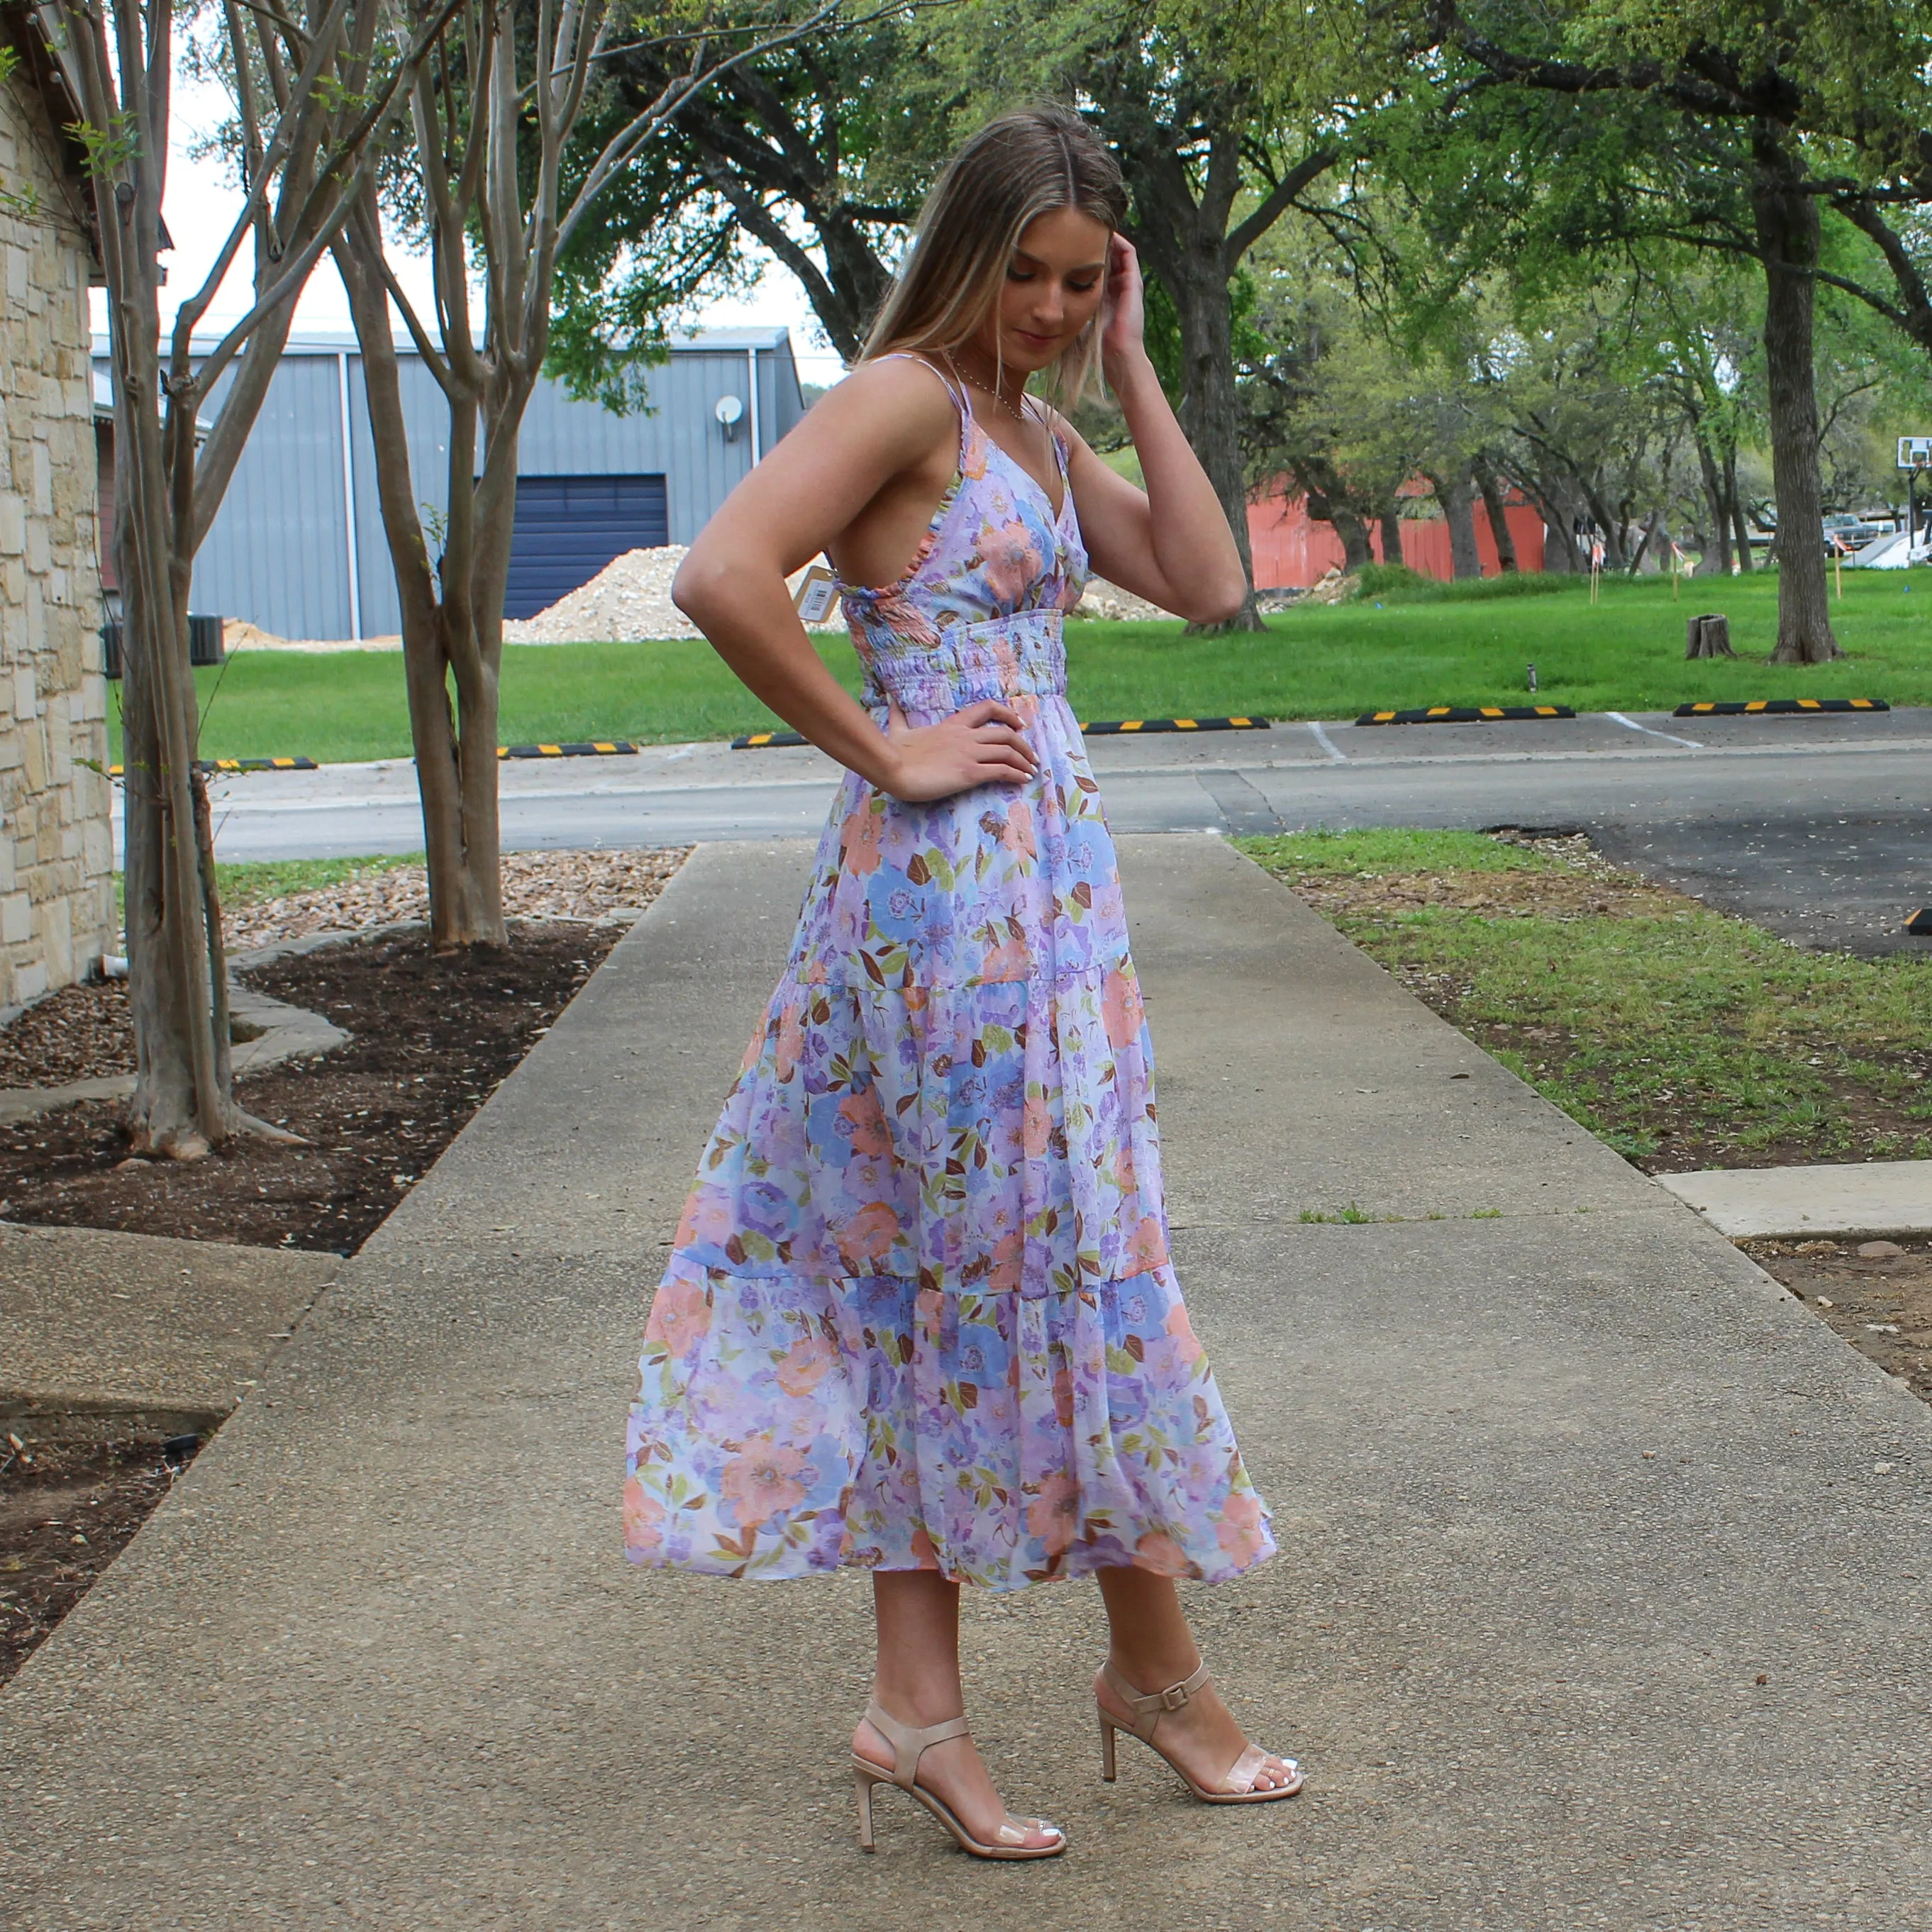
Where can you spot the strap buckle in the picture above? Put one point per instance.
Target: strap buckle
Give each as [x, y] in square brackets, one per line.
[1174, 1696]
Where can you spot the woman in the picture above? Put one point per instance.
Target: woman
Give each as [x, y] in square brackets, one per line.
[920, 1315]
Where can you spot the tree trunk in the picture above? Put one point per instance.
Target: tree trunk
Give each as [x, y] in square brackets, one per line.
[1558, 503]
[1740, 527]
[1325, 509]
[1497, 512]
[1715, 559]
[1458, 499]
[454, 738]
[1390, 525]
[1210, 410]
[181, 1106]
[1787, 229]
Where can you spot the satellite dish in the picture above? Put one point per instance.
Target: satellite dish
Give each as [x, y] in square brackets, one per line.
[729, 411]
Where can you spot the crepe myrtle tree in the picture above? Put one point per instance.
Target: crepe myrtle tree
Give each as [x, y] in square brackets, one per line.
[314, 86]
[490, 180]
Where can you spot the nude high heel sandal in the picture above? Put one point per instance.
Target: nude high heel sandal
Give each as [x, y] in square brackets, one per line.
[1236, 1787]
[909, 1745]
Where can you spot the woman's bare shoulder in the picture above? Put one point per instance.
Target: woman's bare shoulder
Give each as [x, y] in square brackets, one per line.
[896, 389]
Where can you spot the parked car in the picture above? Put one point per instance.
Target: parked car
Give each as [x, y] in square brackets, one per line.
[1845, 532]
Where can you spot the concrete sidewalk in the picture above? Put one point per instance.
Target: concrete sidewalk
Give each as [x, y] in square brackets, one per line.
[104, 1333]
[1603, 1600]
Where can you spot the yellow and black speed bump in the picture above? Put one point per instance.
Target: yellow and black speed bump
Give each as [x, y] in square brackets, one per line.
[757, 741]
[1781, 707]
[1116, 727]
[207, 766]
[1920, 924]
[598, 748]
[1465, 714]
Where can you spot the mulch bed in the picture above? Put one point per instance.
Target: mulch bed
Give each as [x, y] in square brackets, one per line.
[1877, 1294]
[433, 1035]
[81, 1032]
[66, 1511]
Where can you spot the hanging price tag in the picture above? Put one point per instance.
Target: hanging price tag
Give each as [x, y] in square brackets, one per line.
[817, 591]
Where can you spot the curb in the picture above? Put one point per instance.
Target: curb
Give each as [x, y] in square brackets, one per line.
[208, 766]
[597, 748]
[1111, 729]
[1466, 714]
[279, 1032]
[1780, 707]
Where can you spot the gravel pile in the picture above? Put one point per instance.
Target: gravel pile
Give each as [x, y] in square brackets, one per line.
[1333, 587]
[1103, 599]
[628, 600]
[589, 885]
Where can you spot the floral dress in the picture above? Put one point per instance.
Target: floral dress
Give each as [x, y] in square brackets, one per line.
[920, 1313]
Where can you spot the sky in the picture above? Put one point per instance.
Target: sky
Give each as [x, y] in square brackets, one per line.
[203, 201]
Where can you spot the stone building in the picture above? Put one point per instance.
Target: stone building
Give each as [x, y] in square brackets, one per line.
[56, 845]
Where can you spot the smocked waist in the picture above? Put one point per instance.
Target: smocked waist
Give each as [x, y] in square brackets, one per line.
[1001, 657]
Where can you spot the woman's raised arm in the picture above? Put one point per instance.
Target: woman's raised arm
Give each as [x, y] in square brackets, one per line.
[1171, 543]
[882, 425]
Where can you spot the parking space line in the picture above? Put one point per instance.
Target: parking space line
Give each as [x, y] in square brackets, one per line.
[1336, 754]
[1689, 744]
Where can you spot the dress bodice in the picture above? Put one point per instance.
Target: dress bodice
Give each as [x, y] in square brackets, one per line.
[978, 613]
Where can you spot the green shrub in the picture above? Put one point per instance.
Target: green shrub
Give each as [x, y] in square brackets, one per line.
[1396, 584]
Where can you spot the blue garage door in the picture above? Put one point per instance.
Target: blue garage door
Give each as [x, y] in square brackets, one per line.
[568, 528]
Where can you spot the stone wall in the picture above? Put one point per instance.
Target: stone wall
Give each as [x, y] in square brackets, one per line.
[56, 850]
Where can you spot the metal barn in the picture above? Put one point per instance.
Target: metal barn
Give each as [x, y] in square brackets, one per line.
[591, 485]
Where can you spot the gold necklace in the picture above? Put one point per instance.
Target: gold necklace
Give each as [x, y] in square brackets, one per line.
[1018, 416]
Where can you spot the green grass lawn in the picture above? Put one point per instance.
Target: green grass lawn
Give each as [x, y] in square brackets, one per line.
[1463, 644]
[1684, 1037]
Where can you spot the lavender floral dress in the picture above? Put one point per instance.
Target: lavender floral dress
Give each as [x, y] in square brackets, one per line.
[920, 1312]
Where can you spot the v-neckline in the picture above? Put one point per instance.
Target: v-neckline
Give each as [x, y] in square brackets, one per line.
[1038, 488]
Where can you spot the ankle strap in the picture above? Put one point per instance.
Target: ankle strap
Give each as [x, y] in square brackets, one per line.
[1149, 1710]
[904, 1737]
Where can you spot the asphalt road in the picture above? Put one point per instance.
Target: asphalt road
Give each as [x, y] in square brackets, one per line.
[1816, 827]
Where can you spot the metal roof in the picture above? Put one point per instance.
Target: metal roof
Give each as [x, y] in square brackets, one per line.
[326, 342]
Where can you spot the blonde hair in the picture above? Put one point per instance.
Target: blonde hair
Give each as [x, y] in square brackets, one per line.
[1015, 169]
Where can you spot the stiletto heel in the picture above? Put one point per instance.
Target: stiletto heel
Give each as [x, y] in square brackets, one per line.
[1238, 1787]
[862, 1789]
[909, 1745]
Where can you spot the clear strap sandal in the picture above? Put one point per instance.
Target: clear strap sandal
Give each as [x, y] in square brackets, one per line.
[1236, 1786]
[909, 1745]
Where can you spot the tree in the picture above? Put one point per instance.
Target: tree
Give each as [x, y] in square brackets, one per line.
[1695, 118]
[315, 90]
[494, 190]
[819, 149]
[1330, 402]
[1210, 176]
[837, 142]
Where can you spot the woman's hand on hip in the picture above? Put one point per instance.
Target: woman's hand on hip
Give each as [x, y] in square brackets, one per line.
[983, 744]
